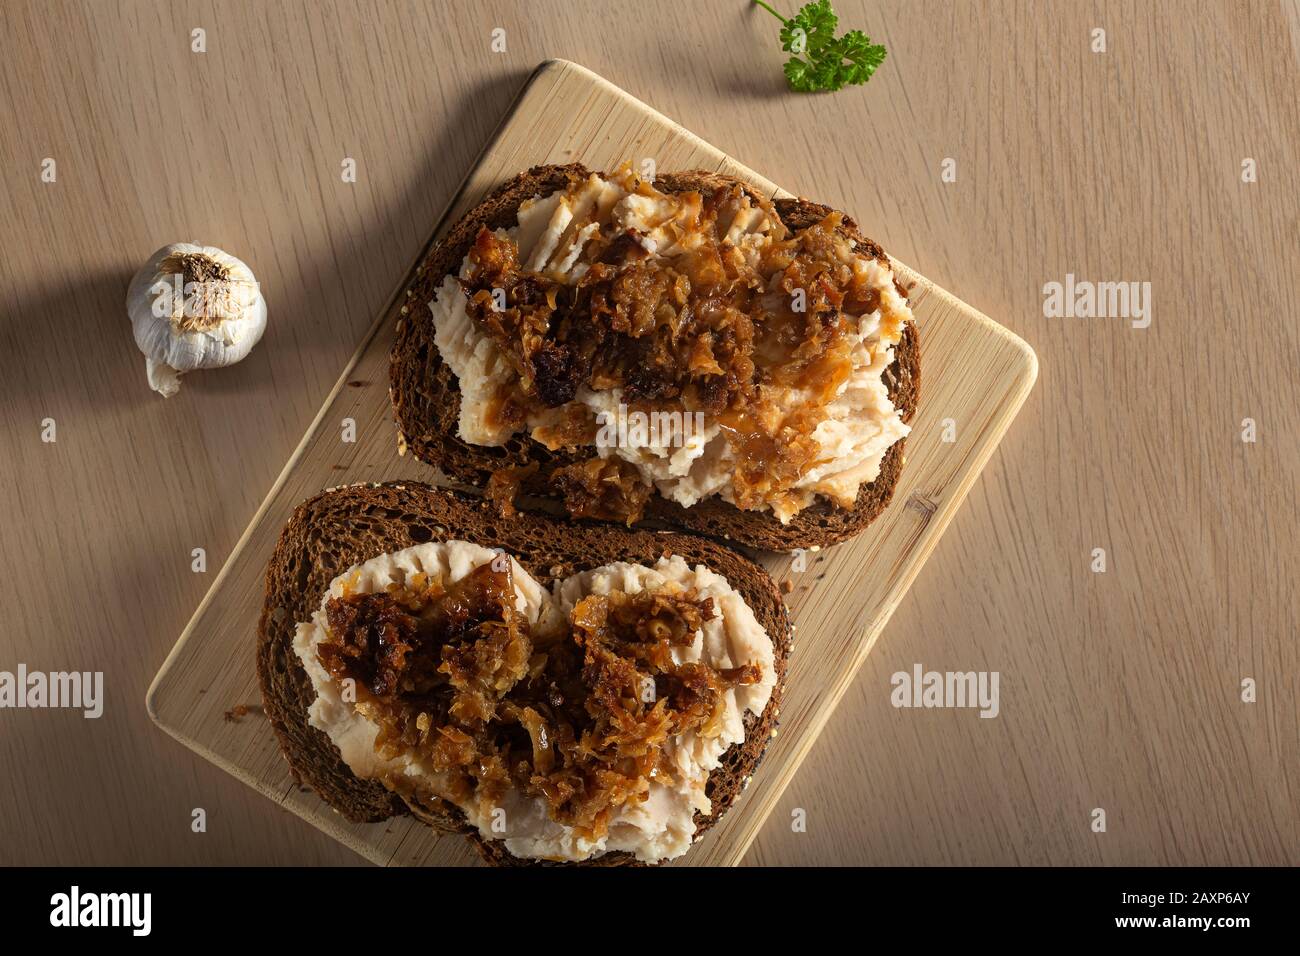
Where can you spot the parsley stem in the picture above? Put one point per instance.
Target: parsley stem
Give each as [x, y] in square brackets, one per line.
[771, 11]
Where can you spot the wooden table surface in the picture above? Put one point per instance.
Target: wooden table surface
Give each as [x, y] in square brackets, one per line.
[1120, 690]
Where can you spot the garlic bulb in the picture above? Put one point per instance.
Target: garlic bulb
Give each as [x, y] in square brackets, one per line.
[193, 307]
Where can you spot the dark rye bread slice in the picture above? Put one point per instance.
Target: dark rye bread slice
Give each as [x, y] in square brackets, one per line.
[426, 396]
[341, 527]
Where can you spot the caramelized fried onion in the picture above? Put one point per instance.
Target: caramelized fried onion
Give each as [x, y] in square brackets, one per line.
[706, 329]
[582, 720]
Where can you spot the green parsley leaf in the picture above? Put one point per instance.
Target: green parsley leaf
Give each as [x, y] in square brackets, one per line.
[822, 62]
[811, 30]
[865, 56]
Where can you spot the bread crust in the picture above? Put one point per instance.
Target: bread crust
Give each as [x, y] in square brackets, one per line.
[425, 393]
[341, 527]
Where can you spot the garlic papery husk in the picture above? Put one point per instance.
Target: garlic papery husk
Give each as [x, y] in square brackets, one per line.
[193, 307]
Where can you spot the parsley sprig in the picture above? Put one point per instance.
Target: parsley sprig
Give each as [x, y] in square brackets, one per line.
[821, 61]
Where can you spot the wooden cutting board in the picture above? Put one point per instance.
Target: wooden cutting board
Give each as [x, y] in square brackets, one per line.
[974, 372]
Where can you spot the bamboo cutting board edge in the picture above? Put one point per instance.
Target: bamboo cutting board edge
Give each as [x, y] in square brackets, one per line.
[774, 778]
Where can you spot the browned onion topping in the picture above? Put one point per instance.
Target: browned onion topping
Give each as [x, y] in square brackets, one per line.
[580, 718]
[699, 331]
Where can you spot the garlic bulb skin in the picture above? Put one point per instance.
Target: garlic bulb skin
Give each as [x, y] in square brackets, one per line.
[193, 307]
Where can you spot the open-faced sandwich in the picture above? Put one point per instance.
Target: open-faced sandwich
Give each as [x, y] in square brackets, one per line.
[682, 350]
[560, 692]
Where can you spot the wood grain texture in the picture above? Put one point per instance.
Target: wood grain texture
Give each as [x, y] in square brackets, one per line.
[1118, 690]
[975, 370]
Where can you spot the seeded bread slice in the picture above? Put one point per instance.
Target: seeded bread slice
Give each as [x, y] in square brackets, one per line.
[426, 395]
[339, 528]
